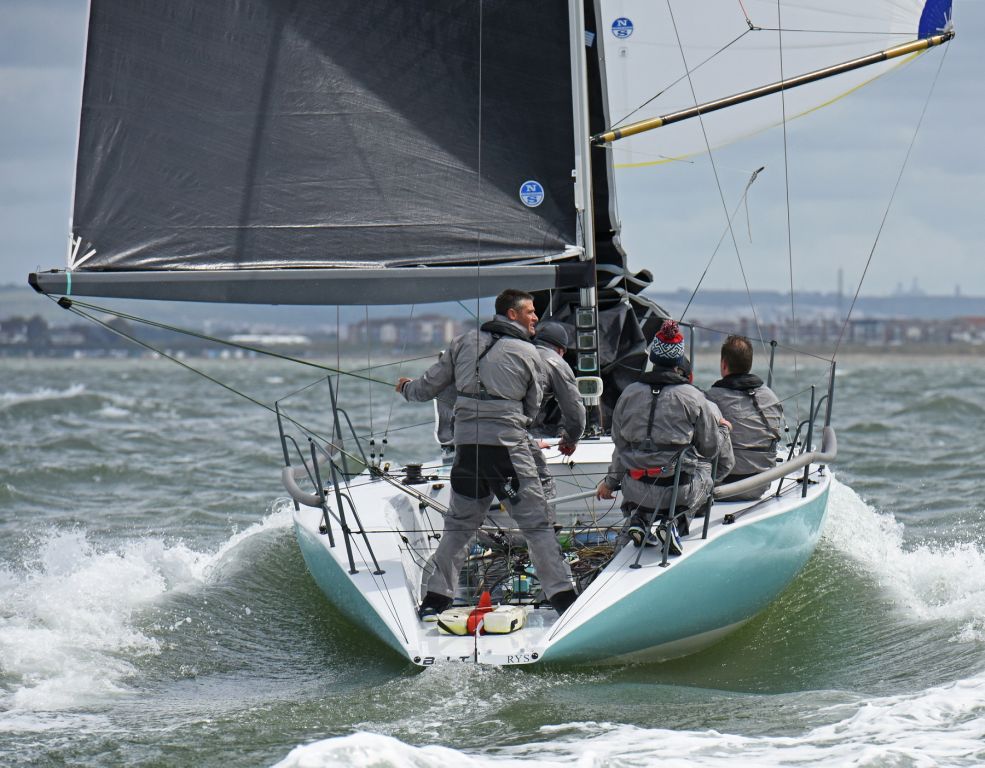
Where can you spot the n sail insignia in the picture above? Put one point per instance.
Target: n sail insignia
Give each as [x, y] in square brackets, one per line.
[531, 193]
[622, 28]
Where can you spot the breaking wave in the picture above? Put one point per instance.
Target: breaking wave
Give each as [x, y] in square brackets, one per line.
[939, 726]
[929, 581]
[69, 613]
[41, 394]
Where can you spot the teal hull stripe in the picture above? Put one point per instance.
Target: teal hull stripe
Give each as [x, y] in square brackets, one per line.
[692, 598]
[334, 581]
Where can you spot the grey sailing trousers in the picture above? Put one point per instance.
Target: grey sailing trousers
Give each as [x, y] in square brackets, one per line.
[480, 474]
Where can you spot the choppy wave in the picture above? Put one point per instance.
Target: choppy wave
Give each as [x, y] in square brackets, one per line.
[41, 394]
[928, 581]
[939, 726]
[222, 646]
[68, 616]
[950, 407]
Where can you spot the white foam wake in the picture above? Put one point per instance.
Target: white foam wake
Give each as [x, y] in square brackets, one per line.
[929, 581]
[68, 620]
[8, 399]
[937, 727]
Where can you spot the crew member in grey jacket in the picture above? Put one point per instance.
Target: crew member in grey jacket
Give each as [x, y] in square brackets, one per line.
[496, 372]
[558, 383]
[654, 420]
[754, 411]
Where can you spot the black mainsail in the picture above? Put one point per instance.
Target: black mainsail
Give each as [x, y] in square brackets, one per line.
[297, 151]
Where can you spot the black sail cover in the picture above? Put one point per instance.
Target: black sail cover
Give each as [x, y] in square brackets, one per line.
[273, 134]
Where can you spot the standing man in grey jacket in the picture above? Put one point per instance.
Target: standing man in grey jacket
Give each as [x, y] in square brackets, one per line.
[558, 381]
[754, 410]
[496, 373]
[560, 387]
[660, 420]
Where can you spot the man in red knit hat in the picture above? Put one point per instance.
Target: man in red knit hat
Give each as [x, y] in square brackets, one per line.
[660, 420]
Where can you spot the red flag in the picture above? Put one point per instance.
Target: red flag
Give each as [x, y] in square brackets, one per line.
[485, 605]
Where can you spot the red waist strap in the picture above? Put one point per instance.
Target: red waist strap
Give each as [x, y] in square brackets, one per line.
[639, 474]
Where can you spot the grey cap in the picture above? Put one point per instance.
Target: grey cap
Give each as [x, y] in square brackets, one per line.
[553, 333]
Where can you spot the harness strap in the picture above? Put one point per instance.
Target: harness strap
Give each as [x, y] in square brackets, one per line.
[766, 423]
[658, 447]
[665, 481]
[483, 392]
[648, 442]
[495, 337]
[483, 395]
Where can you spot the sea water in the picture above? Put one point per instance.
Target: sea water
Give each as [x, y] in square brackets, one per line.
[155, 610]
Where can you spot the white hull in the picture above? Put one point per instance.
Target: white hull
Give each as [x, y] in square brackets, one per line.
[626, 614]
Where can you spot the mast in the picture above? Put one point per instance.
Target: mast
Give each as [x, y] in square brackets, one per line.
[586, 315]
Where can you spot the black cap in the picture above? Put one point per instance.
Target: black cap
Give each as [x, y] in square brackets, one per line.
[553, 333]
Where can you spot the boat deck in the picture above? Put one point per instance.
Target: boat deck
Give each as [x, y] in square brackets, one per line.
[401, 533]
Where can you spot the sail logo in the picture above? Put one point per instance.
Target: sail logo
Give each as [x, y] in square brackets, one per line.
[531, 193]
[622, 27]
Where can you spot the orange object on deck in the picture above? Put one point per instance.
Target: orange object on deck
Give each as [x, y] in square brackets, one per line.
[484, 606]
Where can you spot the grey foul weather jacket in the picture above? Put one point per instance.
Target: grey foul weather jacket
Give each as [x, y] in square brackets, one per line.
[726, 458]
[682, 417]
[558, 381]
[496, 406]
[757, 420]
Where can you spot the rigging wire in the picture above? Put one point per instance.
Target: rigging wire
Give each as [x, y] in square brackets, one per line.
[394, 395]
[338, 364]
[889, 205]
[866, 32]
[752, 27]
[718, 183]
[667, 87]
[778, 344]
[369, 364]
[71, 307]
[70, 304]
[742, 198]
[746, 14]
[357, 373]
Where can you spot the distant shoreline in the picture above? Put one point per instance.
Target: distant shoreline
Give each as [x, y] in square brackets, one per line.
[937, 351]
[854, 354]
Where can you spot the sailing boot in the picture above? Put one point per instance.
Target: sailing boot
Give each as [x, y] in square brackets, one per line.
[561, 601]
[433, 604]
[665, 530]
[639, 530]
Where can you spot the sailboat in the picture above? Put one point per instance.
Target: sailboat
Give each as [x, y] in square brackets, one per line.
[376, 153]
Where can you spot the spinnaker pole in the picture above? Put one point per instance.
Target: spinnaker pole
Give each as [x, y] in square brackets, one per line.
[766, 90]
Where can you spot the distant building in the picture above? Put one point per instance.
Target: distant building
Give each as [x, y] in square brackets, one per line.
[271, 339]
[426, 330]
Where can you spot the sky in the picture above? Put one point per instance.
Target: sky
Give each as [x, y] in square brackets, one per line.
[843, 163]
